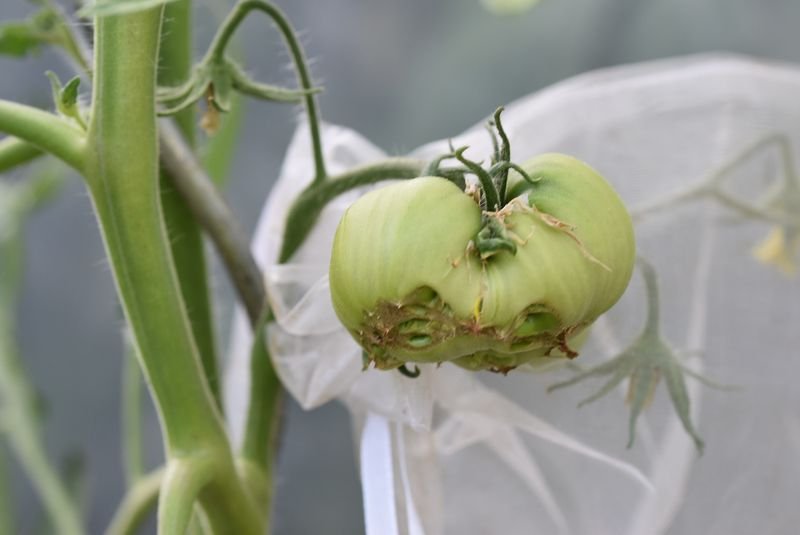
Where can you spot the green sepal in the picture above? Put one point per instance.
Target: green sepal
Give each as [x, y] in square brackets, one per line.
[221, 86]
[493, 239]
[244, 84]
[217, 78]
[644, 362]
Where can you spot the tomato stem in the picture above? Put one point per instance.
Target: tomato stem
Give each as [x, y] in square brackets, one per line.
[217, 48]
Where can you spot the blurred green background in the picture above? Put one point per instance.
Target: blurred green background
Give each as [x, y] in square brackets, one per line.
[402, 72]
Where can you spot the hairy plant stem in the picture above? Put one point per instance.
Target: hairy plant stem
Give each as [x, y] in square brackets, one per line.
[186, 241]
[122, 174]
[213, 214]
[45, 131]
[220, 43]
[307, 207]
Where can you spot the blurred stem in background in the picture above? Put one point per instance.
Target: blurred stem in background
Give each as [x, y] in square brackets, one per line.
[132, 439]
[21, 409]
[7, 519]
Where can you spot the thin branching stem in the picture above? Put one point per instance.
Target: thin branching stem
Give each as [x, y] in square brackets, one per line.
[137, 503]
[132, 455]
[21, 422]
[15, 152]
[216, 217]
[45, 131]
[220, 43]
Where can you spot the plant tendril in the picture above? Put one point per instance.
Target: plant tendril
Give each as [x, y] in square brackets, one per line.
[216, 69]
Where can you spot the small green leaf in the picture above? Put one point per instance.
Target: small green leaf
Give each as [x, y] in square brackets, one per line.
[222, 87]
[105, 8]
[55, 85]
[65, 97]
[69, 94]
[243, 83]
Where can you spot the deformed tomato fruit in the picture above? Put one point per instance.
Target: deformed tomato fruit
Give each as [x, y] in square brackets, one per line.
[421, 273]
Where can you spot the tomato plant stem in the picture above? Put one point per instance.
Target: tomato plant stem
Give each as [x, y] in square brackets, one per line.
[15, 152]
[122, 174]
[307, 207]
[45, 131]
[186, 241]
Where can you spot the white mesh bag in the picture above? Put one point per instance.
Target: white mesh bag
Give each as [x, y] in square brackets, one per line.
[700, 149]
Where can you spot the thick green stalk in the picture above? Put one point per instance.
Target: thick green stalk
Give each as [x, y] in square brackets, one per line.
[186, 241]
[176, 59]
[124, 183]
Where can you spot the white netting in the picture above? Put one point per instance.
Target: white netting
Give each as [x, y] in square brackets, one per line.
[459, 453]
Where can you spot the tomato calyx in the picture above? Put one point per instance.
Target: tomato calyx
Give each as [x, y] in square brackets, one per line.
[490, 191]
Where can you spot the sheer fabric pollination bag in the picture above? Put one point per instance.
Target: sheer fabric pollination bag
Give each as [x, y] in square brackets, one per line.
[704, 152]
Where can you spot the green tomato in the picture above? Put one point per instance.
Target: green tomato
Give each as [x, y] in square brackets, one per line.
[411, 283]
